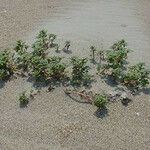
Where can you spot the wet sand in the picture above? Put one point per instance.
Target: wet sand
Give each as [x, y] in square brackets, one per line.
[52, 120]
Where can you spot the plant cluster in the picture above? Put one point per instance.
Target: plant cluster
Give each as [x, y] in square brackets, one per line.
[135, 76]
[115, 58]
[40, 65]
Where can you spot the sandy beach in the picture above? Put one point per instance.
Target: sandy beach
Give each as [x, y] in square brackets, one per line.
[53, 121]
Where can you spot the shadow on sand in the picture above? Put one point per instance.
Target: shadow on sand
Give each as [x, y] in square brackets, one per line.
[101, 112]
[2, 84]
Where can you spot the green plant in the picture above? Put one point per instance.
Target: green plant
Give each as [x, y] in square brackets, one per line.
[122, 44]
[22, 57]
[137, 76]
[52, 38]
[57, 47]
[45, 68]
[41, 44]
[20, 47]
[100, 54]
[67, 45]
[56, 69]
[93, 50]
[6, 67]
[100, 101]
[23, 99]
[38, 66]
[79, 71]
[115, 60]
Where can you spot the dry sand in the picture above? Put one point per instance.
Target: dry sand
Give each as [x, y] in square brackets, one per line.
[53, 121]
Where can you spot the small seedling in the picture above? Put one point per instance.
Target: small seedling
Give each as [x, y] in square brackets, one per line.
[52, 38]
[100, 101]
[23, 99]
[57, 48]
[67, 45]
[93, 50]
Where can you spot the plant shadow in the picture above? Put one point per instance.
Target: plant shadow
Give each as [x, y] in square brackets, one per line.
[23, 105]
[58, 51]
[138, 91]
[110, 81]
[146, 91]
[93, 61]
[2, 84]
[67, 51]
[101, 112]
[42, 83]
[125, 102]
[53, 45]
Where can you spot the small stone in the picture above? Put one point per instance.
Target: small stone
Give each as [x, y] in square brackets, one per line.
[137, 113]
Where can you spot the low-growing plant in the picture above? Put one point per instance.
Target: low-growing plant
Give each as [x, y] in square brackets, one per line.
[122, 44]
[20, 47]
[67, 45]
[46, 68]
[6, 66]
[52, 38]
[137, 76]
[100, 101]
[41, 44]
[23, 99]
[22, 57]
[93, 50]
[56, 69]
[57, 48]
[116, 60]
[80, 71]
[38, 67]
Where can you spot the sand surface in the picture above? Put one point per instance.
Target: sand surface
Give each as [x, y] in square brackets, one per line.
[53, 121]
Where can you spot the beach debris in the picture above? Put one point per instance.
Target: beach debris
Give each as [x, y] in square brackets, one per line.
[34, 92]
[86, 96]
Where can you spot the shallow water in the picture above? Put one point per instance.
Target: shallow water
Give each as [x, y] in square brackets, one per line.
[100, 22]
